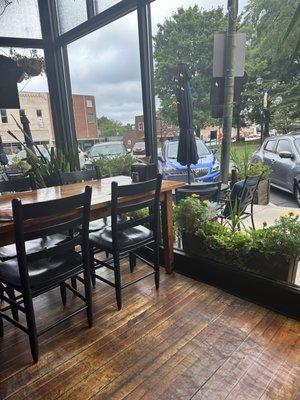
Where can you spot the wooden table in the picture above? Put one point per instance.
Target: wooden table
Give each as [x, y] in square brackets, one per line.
[100, 207]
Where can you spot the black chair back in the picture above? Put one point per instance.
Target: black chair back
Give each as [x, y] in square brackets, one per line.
[18, 185]
[12, 174]
[131, 194]
[206, 191]
[57, 216]
[246, 196]
[67, 178]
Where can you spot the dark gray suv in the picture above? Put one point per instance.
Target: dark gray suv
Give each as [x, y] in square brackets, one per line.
[282, 154]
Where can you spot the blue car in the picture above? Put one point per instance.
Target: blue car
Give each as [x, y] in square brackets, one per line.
[206, 170]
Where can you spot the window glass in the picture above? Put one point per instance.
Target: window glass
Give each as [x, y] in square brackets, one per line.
[102, 5]
[3, 114]
[297, 144]
[89, 103]
[39, 113]
[71, 13]
[270, 145]
[109, 149]
[91, 118]
[284, 145]
[173, 149]
[20, 19]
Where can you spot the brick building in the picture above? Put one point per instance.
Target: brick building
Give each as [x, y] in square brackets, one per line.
[38, 110]
[163, 130]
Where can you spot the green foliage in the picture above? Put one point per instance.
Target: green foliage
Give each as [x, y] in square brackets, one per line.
[118, 165]
[241, 158]
[272, 58]
[190, 213]
[187, 37]
[109, 127]
[19, 164]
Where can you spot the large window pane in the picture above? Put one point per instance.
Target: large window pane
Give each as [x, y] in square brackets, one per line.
[105, 76]
[20, 19]
[71, 13]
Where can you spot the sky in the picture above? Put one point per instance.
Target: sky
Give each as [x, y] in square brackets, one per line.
[106, 63]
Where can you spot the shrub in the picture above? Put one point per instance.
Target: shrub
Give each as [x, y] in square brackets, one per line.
[118, 165]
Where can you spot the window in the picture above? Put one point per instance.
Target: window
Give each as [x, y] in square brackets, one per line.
[89, 103]
[21, 113]
[297, 144]
[91, 118]
[284, 145]
[173, 149]
[39, 113]
[4, 118]
[141, 126]
[270, 146]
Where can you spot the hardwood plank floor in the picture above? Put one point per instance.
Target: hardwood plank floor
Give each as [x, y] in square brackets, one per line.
[186, 341]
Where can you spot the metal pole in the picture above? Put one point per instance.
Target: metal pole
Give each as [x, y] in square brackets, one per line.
[230, 54]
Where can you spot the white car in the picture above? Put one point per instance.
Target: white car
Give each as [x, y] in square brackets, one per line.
[108, 149]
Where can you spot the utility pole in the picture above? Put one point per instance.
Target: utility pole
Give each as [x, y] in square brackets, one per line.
[230, 54]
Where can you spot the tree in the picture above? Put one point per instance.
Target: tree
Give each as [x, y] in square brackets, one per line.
[109, 127]
[187, 37]
[273, 59]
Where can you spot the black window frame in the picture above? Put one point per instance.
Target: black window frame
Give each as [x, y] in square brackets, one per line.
[3, 116]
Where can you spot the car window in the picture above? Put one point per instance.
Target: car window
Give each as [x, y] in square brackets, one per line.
[284, 145]
[173, 149]
[107, 150]
[297, 144]
[270, 145]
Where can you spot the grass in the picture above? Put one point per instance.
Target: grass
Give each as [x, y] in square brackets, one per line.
[240, 148]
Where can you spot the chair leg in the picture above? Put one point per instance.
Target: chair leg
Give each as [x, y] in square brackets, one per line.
[156, 265]
[132, 261]
[252, 217]
[74, 283]
[118, 280]
[92, 263]
[63, 293]
[14, 310]
[31, 325]
[88, 297]
[1, 326]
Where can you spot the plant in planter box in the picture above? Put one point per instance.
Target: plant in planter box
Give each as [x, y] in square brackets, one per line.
[271, 251]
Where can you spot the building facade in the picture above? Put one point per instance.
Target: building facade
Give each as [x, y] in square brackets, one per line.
[163, 130]
[38, 111]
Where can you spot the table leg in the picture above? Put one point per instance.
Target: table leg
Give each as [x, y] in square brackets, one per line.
[167, 231]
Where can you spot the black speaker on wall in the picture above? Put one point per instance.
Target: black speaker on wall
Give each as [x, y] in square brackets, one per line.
[10, 74]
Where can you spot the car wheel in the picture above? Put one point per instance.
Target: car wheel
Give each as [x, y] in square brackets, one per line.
[297, 193]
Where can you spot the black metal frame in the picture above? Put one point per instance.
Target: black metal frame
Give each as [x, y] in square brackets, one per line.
[119, 227]
[79, 207]
[55, 44]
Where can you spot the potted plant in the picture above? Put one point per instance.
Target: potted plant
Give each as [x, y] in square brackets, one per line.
[245, 167]
[272, 252]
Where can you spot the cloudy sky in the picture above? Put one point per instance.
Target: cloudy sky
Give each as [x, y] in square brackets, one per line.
[106, 63]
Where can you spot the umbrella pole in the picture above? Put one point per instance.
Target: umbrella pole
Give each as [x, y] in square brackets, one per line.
[189, 173]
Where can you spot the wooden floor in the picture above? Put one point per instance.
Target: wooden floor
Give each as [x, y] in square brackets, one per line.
[187, 341]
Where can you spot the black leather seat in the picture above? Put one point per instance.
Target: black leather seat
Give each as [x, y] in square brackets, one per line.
[32, 246]
[48, 270]
[131, 237]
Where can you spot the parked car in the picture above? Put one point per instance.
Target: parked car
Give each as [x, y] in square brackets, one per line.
[139, 149]
[282, 154]
[109, 149]
[207, 169]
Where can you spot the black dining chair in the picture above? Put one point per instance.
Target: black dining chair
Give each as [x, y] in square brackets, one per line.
[125, 236]
[242, 196]
[31, 275]
[67, 178]
[205, 191]
[22, 185]
[19, 184]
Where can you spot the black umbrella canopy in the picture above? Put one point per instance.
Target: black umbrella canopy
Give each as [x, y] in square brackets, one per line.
[3, 156]
[187, 147]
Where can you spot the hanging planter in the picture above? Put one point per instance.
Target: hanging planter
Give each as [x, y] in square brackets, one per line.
[30, 66]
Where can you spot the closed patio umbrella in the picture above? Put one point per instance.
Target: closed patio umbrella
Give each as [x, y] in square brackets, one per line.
[3, 156]
[187, 147]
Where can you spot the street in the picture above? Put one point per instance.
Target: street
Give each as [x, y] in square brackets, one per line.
[283, 199]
